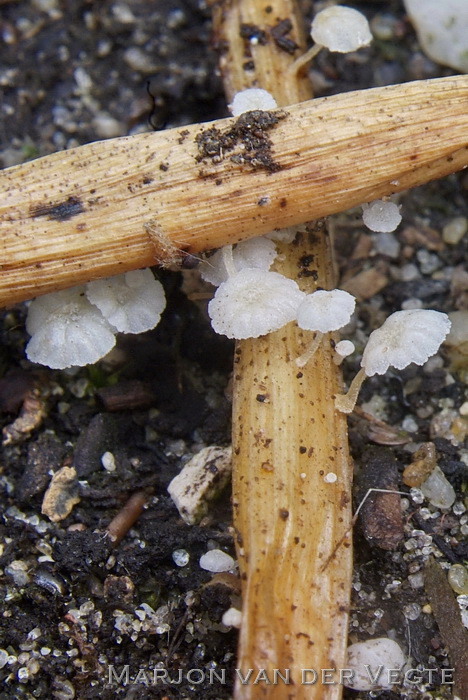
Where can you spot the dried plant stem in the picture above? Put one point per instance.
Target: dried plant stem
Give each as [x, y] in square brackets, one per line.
[286, 438]
[117, 205]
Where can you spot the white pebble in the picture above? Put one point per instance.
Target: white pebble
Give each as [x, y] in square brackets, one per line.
[180, 557]
[216, 561]
[438, 491]
[108, 462]
[409, 272]
[416, 580]
[453, 232]
[411, 303]
[387, 244]
[441, 30]
[366, 659]
[200, 481]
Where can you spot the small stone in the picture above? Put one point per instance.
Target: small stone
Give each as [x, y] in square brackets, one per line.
[139, 61]
[180, 557]
[458, 579]
[453, 232]
[367, 283]
[387, 244]
[412, 611]
[416, 580]
[200, 481]
[374, 659]
[423, 464]
[18, 570]
[216, 561]
[62, 495]
[107, 127]
[438, 491]
[108, 461]
[409, 272]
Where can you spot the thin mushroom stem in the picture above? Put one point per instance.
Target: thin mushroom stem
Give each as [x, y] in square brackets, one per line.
[346, 402]
[228, 260]
[306, 57]
[307, 355]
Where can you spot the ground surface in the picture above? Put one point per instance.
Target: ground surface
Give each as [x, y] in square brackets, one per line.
[74, 72]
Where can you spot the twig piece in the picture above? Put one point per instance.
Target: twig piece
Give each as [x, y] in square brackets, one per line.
[126, 517]
[98, 210]
[287, 437]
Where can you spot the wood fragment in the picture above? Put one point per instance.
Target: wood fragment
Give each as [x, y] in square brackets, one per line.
[112, 206]
[126, 517]
[290, 521]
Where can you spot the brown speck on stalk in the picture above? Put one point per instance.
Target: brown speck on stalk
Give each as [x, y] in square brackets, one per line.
[289, 519]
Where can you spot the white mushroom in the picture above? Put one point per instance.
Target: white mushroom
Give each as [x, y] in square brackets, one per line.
[344, 348]
[323, 311]
[380, 216]
[407, 336]
[339, 29]
[67, 330]
[250, 100]
[132, 302]
[254, 302]
[256, 252]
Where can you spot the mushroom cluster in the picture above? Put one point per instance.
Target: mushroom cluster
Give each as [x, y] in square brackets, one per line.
[77, 327]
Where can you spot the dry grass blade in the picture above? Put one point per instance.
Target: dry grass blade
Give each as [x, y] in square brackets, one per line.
[290, 518]
[116, 205]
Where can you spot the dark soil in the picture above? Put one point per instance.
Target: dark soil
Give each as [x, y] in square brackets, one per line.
[74, 72]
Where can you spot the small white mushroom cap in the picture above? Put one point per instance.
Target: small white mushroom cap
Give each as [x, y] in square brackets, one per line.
[406, 336]
[232, 618]
[250, 100]
[380, 216]
[344, 348]
[132, 302]
[367, 658]
[253, 303]
[325, 311]
[283, 235]
[67, 330]
[341, 29]
[257, 252]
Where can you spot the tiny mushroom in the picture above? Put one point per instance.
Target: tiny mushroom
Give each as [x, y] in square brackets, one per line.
[67, 330]
[381, 216]
[256, 252]
[337, 28]
[250, 100]
[323, 311]
[131, 303]
[254, 302]
[407, 336]
[343, 349]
